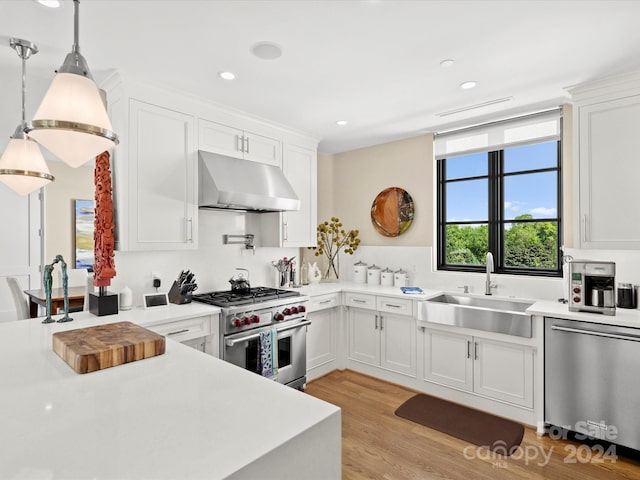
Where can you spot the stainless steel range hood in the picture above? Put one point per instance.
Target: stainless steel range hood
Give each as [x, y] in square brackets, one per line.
[236, 184]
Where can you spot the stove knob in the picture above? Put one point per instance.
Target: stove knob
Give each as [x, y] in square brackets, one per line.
[294, 310]
[576, 299]
[246, 320]
[287, 311]
[236, 322]
[576, 290]
[302, 309]
[255, 319]
[278, 316]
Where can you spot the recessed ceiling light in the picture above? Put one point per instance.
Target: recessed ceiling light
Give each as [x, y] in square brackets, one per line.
[266, 50]
[227, 75]
[468, 85]
[50, 3]
[341, 122]
[446, 63]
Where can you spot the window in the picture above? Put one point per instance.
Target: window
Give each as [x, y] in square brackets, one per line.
[506, 200]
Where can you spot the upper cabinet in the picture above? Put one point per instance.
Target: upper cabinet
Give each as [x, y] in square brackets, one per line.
[155, 166]
[155, 184]
[606, 145]
[234, 142]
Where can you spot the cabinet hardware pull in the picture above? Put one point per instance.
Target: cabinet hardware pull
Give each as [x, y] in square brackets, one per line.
[584, 227]
[631, 338]
[357, 300]
[323, 302]
[475, 350]
[285, 228]
[190, 224]
[239, 143]
[381, 323]
[468, 348]
[247, 150]
[178, 331]
[376, 322]
[392, 305]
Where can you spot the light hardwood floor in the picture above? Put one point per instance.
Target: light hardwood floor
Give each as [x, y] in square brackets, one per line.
[378, 445]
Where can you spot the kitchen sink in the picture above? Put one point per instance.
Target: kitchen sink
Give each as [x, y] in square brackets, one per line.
[490, 314]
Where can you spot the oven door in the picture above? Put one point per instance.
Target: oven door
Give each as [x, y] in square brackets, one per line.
[243, 350]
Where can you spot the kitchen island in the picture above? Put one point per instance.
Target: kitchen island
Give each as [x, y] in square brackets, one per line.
[182, 414]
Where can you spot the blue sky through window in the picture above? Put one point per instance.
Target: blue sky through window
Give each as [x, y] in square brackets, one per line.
[534, 193]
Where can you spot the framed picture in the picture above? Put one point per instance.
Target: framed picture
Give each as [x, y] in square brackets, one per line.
[83, 215]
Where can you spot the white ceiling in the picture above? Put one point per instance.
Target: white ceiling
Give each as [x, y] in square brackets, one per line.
[374, 63]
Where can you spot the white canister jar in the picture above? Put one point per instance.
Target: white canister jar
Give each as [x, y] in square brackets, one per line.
[386, 277]
[126, 298]
[400, 278]
[373, 275]
[360, 272]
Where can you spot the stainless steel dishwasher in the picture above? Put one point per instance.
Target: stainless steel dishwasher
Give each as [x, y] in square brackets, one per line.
[592, 374]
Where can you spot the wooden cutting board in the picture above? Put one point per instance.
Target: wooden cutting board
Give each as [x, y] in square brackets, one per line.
[95, 348]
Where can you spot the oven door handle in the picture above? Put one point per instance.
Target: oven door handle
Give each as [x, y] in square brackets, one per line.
[230, 342]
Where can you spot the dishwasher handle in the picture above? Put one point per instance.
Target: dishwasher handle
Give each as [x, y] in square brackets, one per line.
[595, 333]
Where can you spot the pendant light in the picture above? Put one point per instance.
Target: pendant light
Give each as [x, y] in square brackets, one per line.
[72, 120]
[22, 166]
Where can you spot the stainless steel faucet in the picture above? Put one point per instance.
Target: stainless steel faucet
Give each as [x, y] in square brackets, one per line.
[489, 264]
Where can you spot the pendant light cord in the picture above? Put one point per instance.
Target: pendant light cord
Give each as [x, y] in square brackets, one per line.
[24, 86]
[76, 26]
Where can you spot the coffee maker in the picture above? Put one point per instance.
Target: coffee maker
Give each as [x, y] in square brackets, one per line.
[592, 286]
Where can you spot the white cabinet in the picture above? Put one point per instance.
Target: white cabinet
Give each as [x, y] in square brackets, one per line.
[300, 166]
[382, 332]
[323, 312]
[198, 332]
[495, 369]
[154, 177]
[606, 142]
[235, 142]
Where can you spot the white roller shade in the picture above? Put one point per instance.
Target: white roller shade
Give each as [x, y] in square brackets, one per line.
[539, 127]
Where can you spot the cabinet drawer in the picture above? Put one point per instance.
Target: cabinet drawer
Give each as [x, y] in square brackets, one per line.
[322, 302]
[187, 329]
[360, 301]
[401, 306]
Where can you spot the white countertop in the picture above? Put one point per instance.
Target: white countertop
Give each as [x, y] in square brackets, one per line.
[183, 414]
[547, 308]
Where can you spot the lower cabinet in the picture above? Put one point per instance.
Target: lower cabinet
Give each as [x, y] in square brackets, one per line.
[323, 313]
[198, 332]
[380, 338]
[499, 370]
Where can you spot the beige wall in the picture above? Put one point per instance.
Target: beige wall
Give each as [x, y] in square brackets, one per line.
[70, 184]
[348, 182]
[359, 175]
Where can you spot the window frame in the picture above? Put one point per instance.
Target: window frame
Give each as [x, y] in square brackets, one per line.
[496, 214]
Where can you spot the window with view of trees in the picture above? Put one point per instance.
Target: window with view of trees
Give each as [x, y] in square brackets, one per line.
[506, 201]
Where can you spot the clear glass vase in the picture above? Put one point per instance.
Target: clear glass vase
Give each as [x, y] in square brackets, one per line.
[331, 270]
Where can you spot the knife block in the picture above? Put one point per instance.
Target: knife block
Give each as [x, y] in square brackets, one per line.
[176, 297]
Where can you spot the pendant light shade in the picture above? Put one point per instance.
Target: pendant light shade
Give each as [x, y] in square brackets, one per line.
[72, 120]
[22, 166]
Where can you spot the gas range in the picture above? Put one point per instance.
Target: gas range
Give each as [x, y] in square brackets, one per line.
[260, 307]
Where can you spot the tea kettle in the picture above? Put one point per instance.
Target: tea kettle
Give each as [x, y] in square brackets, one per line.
[239, 284]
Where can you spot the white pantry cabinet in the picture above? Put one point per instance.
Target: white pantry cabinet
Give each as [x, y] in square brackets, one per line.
[606, 145]
[323, 313]
[495, 369]
[154, 177]
[234, 142]
[381, 332]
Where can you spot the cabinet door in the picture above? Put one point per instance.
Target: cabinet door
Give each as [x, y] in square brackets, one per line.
[448, 359]
[259, 148]
[398, 343]
[504, 371]
[609, 168]
[321, 337]
[218, 138]
[300, 167]
[364, 336]
[162, 208]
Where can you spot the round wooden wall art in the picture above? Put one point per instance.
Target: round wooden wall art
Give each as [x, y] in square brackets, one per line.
[392, 212]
